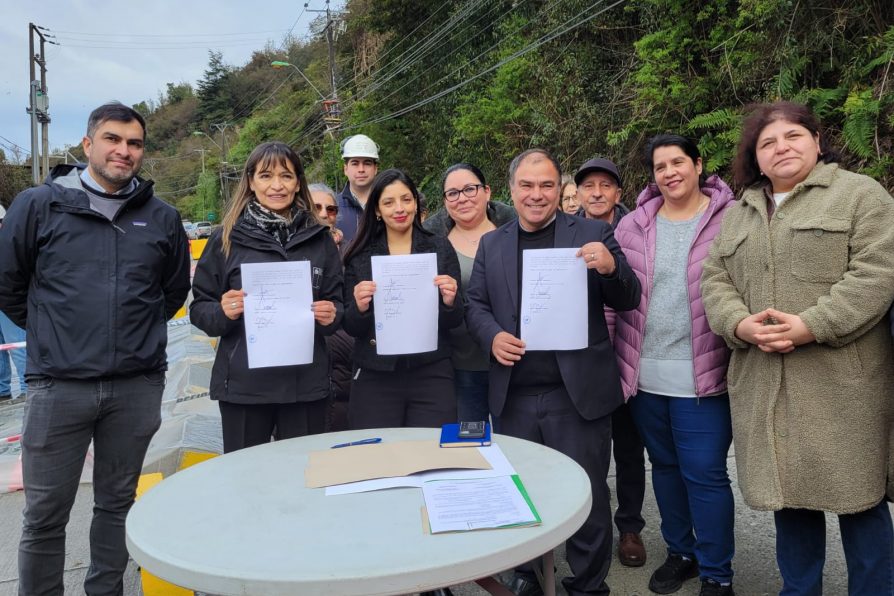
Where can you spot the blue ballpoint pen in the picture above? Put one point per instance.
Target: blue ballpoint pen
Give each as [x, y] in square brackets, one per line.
[360, 442]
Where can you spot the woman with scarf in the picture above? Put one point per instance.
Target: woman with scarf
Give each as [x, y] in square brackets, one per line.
[270, 219]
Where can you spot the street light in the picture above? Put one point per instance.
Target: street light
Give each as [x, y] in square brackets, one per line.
[199, 133]
[281, 64]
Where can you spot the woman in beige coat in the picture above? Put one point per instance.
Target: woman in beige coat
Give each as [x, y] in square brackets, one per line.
[798, 283]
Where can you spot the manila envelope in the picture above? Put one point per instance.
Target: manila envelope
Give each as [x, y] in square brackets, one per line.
[386, 460]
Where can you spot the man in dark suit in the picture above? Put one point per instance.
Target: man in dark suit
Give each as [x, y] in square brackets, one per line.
[561, 399]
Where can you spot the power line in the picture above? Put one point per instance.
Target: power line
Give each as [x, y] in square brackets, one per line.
[13, 145]
[251, 105]
[106, 35]
[575, 22]
[419, 52]
[285, 38]
[446, 58]
[412, 49]
[421, 48]
[408, 35]
[194, 46]
[174, 192]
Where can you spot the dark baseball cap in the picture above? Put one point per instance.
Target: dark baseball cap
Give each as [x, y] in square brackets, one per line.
[598, 164]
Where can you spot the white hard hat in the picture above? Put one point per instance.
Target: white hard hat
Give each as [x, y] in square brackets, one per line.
[359, 146]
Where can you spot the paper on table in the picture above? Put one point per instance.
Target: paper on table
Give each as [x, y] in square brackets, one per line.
[279, 322]
[476, 504]
[405, 303]
[500, 466]
[554, 300]
[385, 460]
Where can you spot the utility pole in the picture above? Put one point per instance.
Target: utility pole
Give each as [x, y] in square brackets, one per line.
[39, 104]
[224, 181]
[331, 106]
[330, 41]
[203, 152]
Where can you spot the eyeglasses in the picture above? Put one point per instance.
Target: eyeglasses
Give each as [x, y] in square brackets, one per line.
[569, 198]
[330, 209]
[470, 190]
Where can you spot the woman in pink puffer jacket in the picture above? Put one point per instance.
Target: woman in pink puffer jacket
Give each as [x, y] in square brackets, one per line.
[673, 368]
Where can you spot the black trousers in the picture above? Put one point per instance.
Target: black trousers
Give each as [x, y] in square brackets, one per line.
[551, 419]
[416, 396]
[630, 471]
[247, 425]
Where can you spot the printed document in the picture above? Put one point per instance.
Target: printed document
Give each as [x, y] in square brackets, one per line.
[279, 322]
[554, 314]
[477, 504]
[405, 303]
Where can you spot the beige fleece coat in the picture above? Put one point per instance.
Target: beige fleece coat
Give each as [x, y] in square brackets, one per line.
[812, 427]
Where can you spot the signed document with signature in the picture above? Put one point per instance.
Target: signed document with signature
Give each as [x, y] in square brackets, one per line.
[405, 304]
[554, 314]
[279, 322]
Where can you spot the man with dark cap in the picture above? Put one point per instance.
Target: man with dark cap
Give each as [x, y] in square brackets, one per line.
[599, 191]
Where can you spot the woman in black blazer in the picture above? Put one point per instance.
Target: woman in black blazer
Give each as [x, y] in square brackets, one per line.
[411, 389]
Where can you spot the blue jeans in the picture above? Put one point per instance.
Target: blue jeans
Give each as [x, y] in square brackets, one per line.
[471, 395]
[120, 415]
[868, 541]
[688, 440]
[11, 333]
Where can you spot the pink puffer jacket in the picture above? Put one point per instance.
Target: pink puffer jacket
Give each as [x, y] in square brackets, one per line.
[636, 235]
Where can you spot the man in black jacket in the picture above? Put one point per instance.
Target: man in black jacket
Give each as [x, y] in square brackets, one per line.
[93, 265]
[562, 399]
[599, 189]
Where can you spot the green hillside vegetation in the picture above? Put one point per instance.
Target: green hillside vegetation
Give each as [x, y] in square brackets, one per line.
[435, 82]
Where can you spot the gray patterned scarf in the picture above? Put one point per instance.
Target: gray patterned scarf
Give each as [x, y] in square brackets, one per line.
[281, 228]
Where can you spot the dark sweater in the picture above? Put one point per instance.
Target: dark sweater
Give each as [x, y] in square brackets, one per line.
[537, 370]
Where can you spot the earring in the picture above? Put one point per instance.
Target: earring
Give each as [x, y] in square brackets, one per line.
[378, 218]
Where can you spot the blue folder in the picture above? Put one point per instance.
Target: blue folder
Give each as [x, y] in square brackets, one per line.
[450, 437]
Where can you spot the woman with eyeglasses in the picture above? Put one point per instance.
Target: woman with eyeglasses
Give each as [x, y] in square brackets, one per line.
[326, 208]
[407, 389]
[340, 345]
[270, 219]
[570, 203]
[468, 214]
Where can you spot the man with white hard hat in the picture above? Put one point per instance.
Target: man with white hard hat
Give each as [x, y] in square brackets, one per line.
[361, 157]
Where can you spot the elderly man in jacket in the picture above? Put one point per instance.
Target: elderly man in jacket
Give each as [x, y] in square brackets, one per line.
[562, 399]
[93, 265]
[599, 189]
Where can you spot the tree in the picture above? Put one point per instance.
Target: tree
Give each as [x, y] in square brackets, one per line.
[214, 93]
[14, 178]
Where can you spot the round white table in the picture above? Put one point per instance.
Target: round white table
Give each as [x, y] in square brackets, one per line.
[244, 523]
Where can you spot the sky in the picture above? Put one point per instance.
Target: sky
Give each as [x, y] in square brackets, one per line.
[126, 51]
